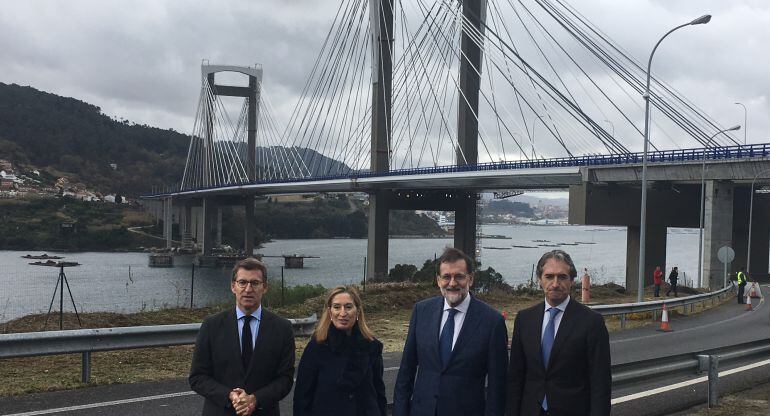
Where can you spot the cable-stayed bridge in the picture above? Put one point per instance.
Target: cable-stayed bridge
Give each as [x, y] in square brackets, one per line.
[422, 104]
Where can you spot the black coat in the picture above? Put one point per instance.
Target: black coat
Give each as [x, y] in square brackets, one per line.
[341, 376]
[577, 381]
[217, 368]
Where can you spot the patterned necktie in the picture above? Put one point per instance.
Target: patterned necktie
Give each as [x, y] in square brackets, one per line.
[547, 343]
[447, 335]
[247, 347]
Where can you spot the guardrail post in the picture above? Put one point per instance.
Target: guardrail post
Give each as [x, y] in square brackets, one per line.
[85, 374]
[711, 363]
[655, 316]
[622, 321]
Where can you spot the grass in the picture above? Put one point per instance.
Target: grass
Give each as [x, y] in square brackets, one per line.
[387, 306]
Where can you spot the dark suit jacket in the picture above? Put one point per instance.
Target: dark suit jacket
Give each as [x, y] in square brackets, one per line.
[216, 367]
[577, 380]
[341, 377]
[425, 387]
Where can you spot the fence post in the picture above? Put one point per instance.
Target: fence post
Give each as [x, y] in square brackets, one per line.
[282, 286]
[622, 321]
[85, 373]
[192, 285]
[713, 380]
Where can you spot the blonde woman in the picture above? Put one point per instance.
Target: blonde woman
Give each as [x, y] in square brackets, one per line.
[340, 372]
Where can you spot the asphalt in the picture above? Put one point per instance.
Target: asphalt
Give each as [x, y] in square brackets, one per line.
[725, 325]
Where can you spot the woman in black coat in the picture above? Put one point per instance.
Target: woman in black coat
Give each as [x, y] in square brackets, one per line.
[340, 372]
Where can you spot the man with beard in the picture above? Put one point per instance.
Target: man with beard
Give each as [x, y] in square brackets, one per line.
[560, 350]
[455, 344]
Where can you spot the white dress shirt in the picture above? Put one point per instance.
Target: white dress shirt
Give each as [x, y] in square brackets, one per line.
[557, 320]
[462, 310]
[254, 324]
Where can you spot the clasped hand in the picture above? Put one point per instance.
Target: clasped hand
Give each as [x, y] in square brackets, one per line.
[244, 404]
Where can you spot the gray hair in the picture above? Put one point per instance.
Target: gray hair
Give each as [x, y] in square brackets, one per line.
[559, 255]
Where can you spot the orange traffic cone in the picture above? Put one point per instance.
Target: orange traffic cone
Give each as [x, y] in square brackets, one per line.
[749, 307]
[664, 321]
[753, 294]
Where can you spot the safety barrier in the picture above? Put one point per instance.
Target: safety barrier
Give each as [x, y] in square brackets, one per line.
[624, 309]
[86, 341]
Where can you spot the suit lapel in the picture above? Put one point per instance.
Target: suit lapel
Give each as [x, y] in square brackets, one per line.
[264, 329]
[470, 323]
[536, 341]
[436, 311]
[233, 339]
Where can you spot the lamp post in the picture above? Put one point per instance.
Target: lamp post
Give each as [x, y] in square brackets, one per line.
[534, 124]
[643, 217]
[613, 128]
[703, 200]
[751, 212]
[745, 124]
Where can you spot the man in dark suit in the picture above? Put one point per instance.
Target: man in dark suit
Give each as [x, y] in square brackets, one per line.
[244, 357]
[455, 344]
[560, 350]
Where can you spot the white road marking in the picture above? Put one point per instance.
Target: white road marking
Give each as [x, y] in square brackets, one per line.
[102, 404]
[687, 383]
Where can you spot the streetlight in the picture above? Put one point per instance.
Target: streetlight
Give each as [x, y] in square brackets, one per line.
[751, 212]
[745, 124]
[643, 220]
[703, 199]
[613, 128]
[532, 140]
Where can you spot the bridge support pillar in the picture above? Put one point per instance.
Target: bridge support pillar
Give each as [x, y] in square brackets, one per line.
[186, 226]
[760, 246]
[379, 223]
[465, 225]
[209, 212]
[248, 233]
[168, 220]
[717, 230]
[655, 254]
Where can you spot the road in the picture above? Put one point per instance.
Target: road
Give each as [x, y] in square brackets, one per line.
[718, 327]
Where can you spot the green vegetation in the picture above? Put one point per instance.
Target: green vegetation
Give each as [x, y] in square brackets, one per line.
[74, 138]
[69, 225]
[484, 280]
[503, 206]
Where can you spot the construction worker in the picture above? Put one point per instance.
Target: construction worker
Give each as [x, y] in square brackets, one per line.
[741, 285]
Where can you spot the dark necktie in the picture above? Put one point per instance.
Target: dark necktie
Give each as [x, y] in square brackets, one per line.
[547, 343]
[447, 335]
[247, 347]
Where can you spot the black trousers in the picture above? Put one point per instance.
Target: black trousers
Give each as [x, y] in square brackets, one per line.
[740, 293]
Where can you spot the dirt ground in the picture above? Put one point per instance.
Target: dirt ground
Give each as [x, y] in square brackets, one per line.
[387, 308]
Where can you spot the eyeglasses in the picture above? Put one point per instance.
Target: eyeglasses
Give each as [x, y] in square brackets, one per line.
[242, 283]
[459, 277]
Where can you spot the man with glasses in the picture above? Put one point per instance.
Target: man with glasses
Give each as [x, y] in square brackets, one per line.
[560, 350]
[244, 357]
[455, 346]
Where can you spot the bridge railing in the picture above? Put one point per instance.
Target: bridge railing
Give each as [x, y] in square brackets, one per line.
[678, 155]
[654, 306]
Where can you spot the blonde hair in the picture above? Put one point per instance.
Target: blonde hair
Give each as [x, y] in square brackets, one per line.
[322, 328]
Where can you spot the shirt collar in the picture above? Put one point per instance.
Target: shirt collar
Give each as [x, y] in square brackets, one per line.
[257, 314]
[562, 306]
[462, 307]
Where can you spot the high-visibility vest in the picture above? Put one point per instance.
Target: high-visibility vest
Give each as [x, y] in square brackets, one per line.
[741, 278]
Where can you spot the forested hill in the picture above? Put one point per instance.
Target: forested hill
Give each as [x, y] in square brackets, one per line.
[73, 137]
[70, 137]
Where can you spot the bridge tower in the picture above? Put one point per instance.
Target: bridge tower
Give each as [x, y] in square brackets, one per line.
[382, 85]
[211, 207]
[474, 12]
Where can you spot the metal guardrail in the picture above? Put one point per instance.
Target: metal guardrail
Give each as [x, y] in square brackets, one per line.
[689, 364]
[624, 309]
[86, 341]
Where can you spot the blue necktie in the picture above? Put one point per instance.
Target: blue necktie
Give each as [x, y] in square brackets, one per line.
[447, 335]
[547, 343]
